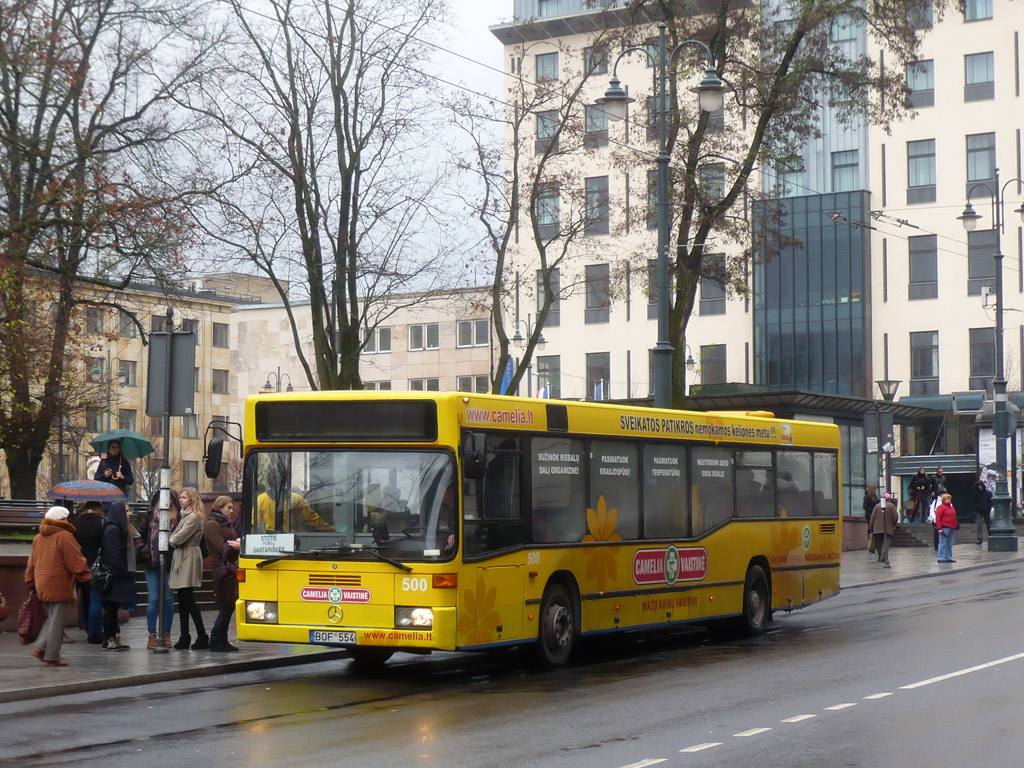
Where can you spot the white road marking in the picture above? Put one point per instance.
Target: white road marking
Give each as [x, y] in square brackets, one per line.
[702, 747]
[645, 763]
[837, 707]
[751, 732]
[960, 672]
[874, 696]
[798, 718]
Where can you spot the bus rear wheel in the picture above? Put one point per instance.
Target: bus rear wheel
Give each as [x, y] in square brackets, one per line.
[369, 659]
[556, 635]
[756, 603]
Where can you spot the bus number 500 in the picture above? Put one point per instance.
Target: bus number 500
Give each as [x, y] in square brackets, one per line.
[410, 584]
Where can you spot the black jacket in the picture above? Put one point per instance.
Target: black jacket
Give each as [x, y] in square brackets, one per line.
[939, 485]
[982, 501]
[919, 483]
[89, 534]
[118, 464]
[115, 555]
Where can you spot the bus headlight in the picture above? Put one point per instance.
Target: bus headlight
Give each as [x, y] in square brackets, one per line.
[422, 618]
[257, 610]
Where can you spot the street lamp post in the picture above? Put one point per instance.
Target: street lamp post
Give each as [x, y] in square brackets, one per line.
[615, 101]
[1002, 536]
[277, 381]
[518, 340]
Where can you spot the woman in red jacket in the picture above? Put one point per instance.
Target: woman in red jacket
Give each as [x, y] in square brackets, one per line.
[55, 563]
[945, 523]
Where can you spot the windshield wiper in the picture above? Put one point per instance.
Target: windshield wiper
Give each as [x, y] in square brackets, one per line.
[286, 556]
[339, 547]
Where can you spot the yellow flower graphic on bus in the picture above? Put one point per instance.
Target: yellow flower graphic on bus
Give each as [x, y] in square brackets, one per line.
[474, 624]
[601, 525]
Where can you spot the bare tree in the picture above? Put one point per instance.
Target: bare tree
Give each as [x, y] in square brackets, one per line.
[330, 127]
[783, 65]
[530, 186]
[91, 168]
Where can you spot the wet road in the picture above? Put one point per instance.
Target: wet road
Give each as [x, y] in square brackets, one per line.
[926, 672]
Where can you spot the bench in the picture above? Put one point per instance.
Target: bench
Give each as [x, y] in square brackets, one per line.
[22, 516]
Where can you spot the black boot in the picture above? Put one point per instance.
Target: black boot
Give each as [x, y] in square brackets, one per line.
[202, 641]
[183, 641]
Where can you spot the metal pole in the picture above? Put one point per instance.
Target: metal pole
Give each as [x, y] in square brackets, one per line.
[529, 364]
[60, 433]
[1003, 537]
[108, 389]
[165, 496]
[662, 350]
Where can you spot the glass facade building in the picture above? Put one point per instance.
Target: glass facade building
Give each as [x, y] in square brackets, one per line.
[812, 308]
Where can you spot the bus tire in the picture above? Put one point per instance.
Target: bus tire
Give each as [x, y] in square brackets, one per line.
[556, 635]
[756, 603]
[369, 659]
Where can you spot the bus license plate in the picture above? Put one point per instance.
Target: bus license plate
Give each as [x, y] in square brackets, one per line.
[324, 637]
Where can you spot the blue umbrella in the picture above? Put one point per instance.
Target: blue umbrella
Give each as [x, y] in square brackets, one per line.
[85, 490]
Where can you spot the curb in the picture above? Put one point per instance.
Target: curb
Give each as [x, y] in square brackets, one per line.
[103, 684]
[910, 577]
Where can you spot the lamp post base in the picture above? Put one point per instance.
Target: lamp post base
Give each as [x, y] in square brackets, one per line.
[1002, 541]
[1002, 536]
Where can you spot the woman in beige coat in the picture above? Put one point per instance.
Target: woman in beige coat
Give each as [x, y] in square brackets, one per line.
[187, 567]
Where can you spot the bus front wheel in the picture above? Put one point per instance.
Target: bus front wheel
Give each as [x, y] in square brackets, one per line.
[557, 632]
[756, 602]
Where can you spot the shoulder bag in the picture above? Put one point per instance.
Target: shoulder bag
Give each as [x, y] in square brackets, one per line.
[31, 617]
[102, 575]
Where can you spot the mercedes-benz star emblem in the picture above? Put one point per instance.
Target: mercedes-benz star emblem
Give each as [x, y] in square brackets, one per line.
[335, 614]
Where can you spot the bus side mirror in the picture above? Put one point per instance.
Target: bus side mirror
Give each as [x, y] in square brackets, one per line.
[474, 455]
[214, 452]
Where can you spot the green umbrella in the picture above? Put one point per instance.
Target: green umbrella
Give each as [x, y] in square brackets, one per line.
[133, 445]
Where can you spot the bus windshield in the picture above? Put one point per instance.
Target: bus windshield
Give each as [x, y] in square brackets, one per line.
[403, 503]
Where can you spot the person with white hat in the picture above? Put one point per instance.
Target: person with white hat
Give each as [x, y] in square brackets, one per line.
[55, 563]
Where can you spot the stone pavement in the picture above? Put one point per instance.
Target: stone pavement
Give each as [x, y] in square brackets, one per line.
[91, 668]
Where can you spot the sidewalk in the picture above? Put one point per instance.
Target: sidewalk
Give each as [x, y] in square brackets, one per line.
[92, 669]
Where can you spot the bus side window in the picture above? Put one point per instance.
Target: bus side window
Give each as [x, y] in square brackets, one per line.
[491, 506]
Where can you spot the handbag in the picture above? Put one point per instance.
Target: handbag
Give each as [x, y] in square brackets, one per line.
[31, 617]
[871, 544]
[102, 575]
[4, 610]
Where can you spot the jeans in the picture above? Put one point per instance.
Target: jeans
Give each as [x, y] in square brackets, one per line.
[223, 623]
[153, 606]
[946, 543]
[92, 609]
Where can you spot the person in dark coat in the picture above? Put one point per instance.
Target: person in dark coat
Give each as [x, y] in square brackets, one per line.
[223, 544]
[115, 468]
[884, 519]
[54, 565]
[982, 504]
[89, 534]
[119, 556]
[920, 494]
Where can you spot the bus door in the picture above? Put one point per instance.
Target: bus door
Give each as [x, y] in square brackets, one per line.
[493, 540]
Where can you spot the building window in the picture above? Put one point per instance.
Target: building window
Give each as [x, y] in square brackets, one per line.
[921, 171]
[716, 121]
[653, 53]
[554, 310]
[595, 60]
[595, 126]
[188, 325]
[379, 385]
[126, 418]
[195, 379]
[789, 175]
[156, 426]
[598, 299]
[220, 335]
[549, 210]
[190, 473]
[547, 128]
[127, 372]
[983, 358]
[93, 420]
[219, 382]
[844, 171]
[652, 199]
[920, 14]
[712, 364]
[977, 10]
[652, 289]
[598, 375]
[712, 284]
[597, 206]
[921, 83]
[425, 385]
[979, 77]
[549, 376]
[924, 270]
[377, 340]
[424, 336]
[97, 368]
[981, 164]
[93, 320]
[547, 8]
[159, 324]
[547, 67]
[472, 333]
[981, 261]
[924, 363]
[126, 325]
[652, 119]
[712, 183]
[844, 28]
[190, 426]
[479, 384]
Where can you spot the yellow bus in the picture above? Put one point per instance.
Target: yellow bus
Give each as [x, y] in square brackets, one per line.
[384, 521]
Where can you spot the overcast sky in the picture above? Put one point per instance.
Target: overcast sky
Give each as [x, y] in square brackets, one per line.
[473, 39]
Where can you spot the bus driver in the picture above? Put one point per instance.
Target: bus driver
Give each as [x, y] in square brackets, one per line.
[280, 509]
